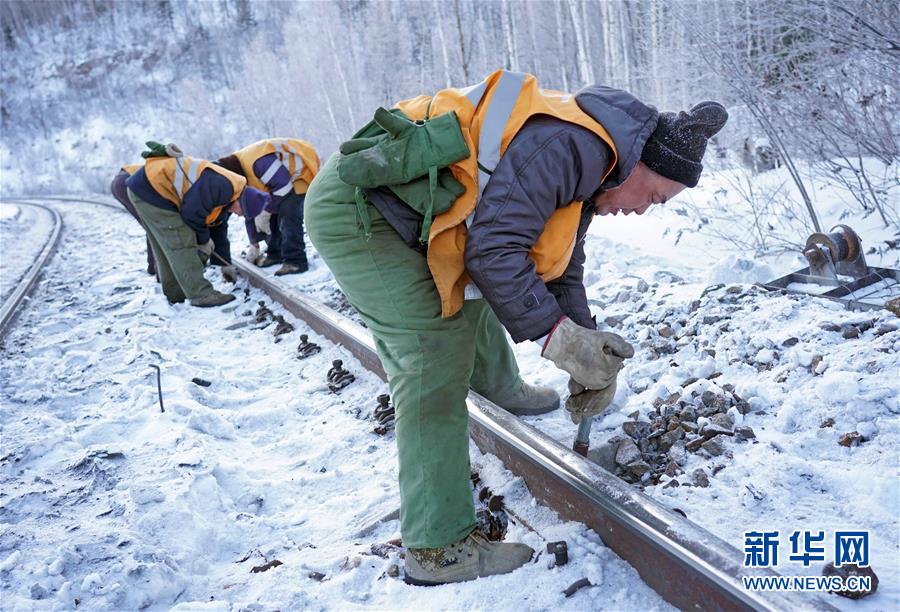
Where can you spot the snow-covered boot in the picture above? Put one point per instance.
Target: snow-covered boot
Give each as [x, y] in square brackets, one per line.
[470, 558]
[529, 400]
[216, 298]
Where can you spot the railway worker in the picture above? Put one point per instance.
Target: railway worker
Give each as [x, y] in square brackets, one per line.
[484, 218]
[182, 201]
[283, 167]
[218, 233]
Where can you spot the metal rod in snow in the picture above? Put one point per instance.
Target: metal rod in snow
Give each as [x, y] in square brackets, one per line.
[159, 386]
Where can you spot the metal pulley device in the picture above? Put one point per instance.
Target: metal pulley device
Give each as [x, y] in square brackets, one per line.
[838, 271]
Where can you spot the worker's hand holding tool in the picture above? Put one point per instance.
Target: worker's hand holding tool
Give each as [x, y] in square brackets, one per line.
[593, 358]
[586, 403]
[206, 250]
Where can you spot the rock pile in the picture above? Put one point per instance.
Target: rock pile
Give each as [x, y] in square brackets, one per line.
[656, 450]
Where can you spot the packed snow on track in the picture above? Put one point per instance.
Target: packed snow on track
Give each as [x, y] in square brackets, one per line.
[24, 231]
[245, 494]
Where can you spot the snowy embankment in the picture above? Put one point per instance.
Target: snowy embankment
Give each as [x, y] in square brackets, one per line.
[108, 503]
[24, 231]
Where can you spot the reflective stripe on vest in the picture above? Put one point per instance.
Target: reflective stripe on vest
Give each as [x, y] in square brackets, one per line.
[288, 154]
[270, 171]
[506, 94]
[184, 166]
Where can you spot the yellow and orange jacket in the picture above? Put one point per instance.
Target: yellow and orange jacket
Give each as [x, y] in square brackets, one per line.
[279, 165]
[200, 190]
[491, 113]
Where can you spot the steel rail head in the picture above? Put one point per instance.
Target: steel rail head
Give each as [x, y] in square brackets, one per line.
[10, 309]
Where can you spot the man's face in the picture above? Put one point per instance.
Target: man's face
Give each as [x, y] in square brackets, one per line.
[235, 208]
[642, 189]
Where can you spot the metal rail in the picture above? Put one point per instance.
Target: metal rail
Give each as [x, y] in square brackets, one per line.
[10, 309]
[688, 566]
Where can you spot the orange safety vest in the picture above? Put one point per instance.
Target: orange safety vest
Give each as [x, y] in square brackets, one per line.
[131, 168]
[298, 156]
[490, 115]
[173, 177]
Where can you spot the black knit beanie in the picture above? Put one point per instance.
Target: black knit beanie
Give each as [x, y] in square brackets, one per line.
[675, 149]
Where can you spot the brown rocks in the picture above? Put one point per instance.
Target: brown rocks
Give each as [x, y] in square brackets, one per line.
[850, 439]
[700, 478]
[714, 446]
[627, 452]
[638, 468]
[712, 430]
[669, 438]
[814, 364]
[893, 306]
[695, 444]
[829, 422]
[615, 320]
[744, 433]
[850, 332]
[722, 420]
[847, 570]
[636, 429]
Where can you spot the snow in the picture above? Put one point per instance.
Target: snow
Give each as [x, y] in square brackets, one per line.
[108, 503]
[173, 509]
[636, 273]
[24, 230]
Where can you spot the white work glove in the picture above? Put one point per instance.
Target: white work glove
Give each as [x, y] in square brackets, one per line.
[229, 273]
[263, 222]
[586, 403]
[252, 255]
[206, 249]
[593, 358]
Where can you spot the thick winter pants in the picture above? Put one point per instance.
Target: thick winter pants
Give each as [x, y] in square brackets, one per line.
[286, 242]
[120, 193]
[175, 249]
[431, 362]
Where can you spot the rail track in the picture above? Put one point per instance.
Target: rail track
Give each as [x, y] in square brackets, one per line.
[11, 306]
[688, 566]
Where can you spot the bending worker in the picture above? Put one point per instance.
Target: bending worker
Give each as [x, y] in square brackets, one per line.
[180, 201]
[284, 168]
[496, 184]
[218, 233]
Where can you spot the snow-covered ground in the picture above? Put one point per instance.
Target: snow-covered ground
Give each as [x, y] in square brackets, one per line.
[108, 503]
[786, 356]
[24, 231]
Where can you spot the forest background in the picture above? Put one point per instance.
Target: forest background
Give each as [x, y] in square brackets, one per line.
[811, 85]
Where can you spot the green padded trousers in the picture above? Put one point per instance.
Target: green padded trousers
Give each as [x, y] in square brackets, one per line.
[430, 361]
